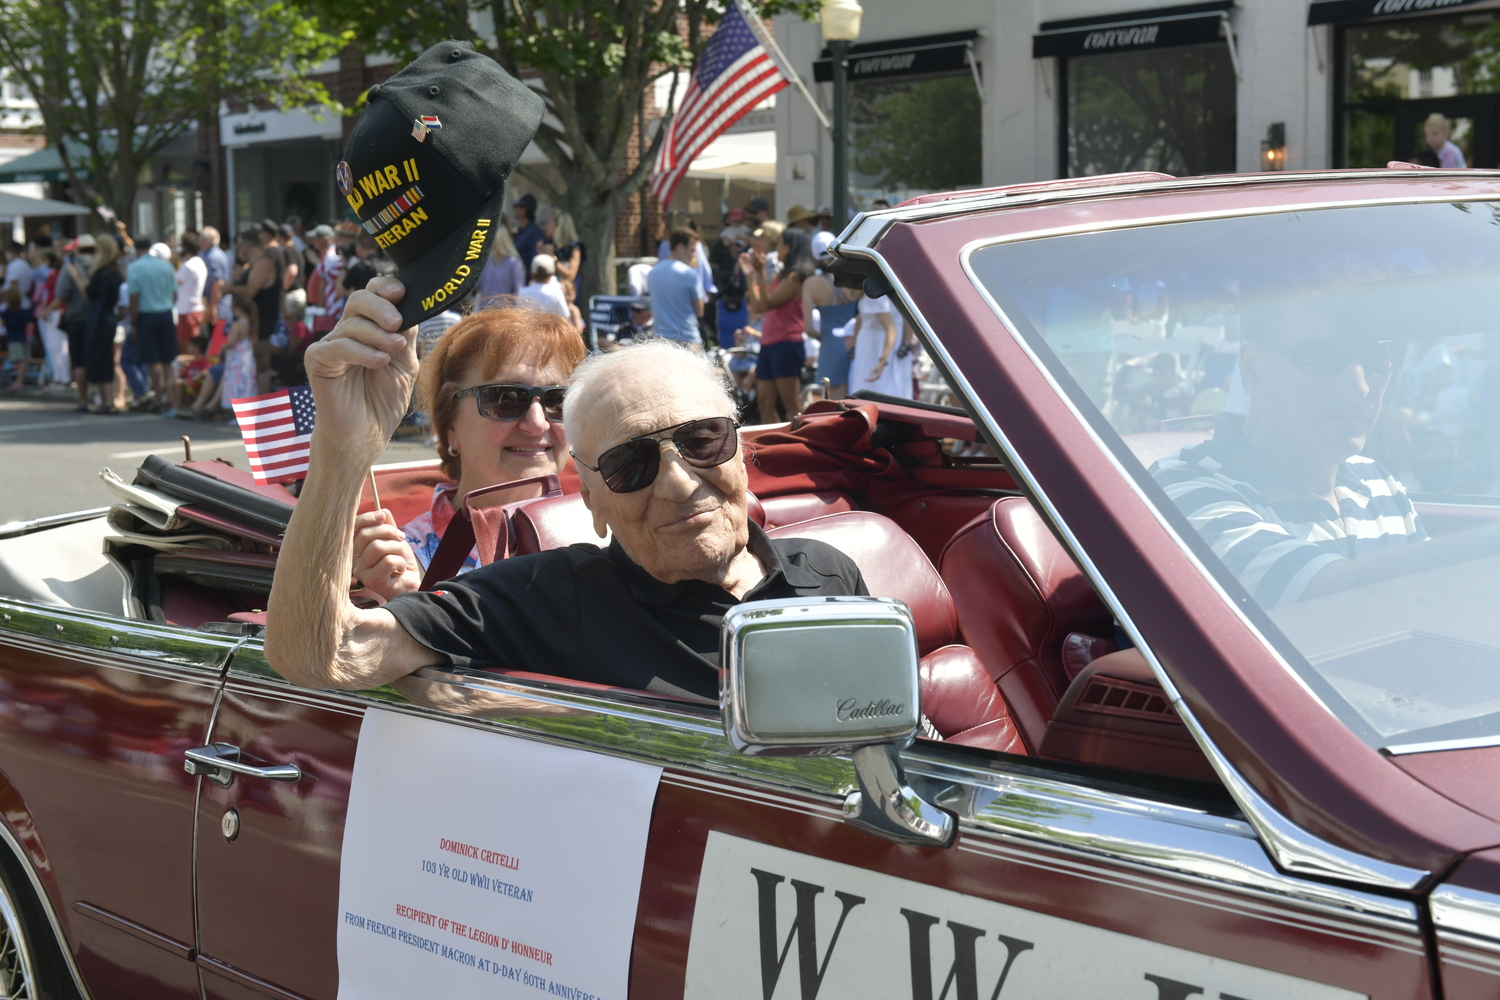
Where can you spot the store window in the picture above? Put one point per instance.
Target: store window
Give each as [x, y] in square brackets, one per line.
[913, 137]
[915, 124]
[1145, 90]
[1404, 83]
[1170, 110]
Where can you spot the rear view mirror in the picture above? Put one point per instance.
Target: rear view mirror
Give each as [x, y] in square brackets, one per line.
[828, 674]
[833, 675]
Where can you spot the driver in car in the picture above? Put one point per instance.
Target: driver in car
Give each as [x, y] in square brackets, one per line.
[1283, 495]
[658, 454]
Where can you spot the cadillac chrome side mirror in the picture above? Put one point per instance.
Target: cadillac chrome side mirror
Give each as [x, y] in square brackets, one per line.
[833, 675]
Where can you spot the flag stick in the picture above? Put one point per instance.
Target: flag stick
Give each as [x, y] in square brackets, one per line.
[769, 41]
[374, 490]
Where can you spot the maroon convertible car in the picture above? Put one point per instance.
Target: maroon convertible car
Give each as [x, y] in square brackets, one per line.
[1199, 546]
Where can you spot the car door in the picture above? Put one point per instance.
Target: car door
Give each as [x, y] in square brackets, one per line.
[268, 849]
[750, 859]
[94, 717]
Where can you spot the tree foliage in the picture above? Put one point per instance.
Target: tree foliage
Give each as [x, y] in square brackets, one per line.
[921, 136]
[594, 59]
[119, 79]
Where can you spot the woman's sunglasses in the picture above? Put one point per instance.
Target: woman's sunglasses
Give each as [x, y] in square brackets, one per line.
[633, 466]
[509, 401]
[1331, 355]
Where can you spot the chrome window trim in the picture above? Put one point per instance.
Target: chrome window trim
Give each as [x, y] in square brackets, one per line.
[1468, 743]
[1000, 199]
[1294, 849]
[145, 647]
[998, 805]
[15, 529]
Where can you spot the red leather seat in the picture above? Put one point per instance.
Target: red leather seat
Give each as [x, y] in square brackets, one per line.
[1019, 596]
[958, 696]
[794, 507]
[552, 522]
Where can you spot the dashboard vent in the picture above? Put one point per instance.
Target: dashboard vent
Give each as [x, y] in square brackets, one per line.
[1113, 696]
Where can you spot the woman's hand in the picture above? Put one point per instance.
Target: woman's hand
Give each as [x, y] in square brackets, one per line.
[383, 562]
[362, 373]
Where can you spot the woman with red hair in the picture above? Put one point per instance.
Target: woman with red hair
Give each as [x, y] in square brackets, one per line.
[493, 386]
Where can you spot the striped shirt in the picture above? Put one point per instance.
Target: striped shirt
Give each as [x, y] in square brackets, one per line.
[1274, 537]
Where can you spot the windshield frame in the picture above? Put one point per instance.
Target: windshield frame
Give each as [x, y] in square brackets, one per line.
[1112, 444]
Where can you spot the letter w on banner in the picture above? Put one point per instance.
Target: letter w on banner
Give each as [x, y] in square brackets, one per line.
[735, 73]
[277, 428]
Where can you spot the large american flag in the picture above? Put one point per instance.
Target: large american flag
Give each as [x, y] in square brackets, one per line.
[277, 428]
[735, 73]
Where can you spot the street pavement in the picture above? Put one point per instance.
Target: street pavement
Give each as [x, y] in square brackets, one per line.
[53, 455]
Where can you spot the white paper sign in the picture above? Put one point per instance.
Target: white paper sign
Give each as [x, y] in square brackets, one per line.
[771, 924]
[480, 865]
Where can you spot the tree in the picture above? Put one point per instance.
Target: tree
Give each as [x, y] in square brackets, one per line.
[119, 79]
[594, 60]
[920, 136]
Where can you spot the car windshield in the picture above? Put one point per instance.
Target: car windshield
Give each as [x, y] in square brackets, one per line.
[1314, 400]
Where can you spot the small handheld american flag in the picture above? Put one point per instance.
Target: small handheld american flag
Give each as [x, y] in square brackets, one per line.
[738, 70]
[277, 428]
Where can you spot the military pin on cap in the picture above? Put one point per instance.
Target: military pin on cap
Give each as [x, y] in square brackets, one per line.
[421, 126]
[344, 177]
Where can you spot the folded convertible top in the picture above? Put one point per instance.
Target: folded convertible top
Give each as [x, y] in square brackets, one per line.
[230, 493]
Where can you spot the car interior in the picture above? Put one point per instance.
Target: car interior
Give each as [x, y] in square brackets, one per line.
[1018, 653]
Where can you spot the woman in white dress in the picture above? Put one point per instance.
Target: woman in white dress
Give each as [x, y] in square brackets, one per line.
[880, 364]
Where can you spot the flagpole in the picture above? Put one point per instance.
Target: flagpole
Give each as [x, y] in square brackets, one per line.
[769, 41]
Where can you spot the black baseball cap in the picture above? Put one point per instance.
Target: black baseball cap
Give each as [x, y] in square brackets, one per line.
[426, 165]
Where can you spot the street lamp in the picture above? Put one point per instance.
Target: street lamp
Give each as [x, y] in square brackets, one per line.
[840, 20]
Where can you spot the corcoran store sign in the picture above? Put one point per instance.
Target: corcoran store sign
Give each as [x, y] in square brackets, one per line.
[1342, 11]
[1147, 29]
[771, 924]
[909, 57]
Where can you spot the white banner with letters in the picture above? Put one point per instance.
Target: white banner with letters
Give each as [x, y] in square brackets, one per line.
[481, 865]
[771, 924]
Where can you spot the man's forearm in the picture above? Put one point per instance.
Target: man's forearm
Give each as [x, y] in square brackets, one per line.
[1403, 560]
[309, 613]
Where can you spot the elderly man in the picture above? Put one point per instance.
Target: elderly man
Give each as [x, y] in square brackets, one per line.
[660, 465]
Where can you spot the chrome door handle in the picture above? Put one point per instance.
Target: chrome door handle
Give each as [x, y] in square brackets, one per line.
[220, 762]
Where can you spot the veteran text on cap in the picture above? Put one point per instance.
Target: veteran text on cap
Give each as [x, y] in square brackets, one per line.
[426, 165]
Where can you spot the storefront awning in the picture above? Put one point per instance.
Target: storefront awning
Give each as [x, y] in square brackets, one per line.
[43, 165]
[745, 155]
[1157, 28]
[1343, 11]
[17, 206]
[902, 57]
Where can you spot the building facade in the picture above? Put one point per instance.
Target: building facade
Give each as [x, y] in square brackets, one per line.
[970, 93]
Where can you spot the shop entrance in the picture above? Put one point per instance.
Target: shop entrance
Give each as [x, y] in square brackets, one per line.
[1471, 119]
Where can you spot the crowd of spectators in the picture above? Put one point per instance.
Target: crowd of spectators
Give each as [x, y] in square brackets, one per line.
[183, 327]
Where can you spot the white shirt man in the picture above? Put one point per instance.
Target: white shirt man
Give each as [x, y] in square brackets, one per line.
[544, 289]
[192, 276]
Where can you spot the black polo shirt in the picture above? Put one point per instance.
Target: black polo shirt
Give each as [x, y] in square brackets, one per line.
[591, 614]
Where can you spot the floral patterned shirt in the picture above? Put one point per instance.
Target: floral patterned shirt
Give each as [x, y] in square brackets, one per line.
[425, 531]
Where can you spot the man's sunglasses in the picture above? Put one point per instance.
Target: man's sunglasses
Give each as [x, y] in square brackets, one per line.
[633, 466]
[1331, 355]
[508, 401]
